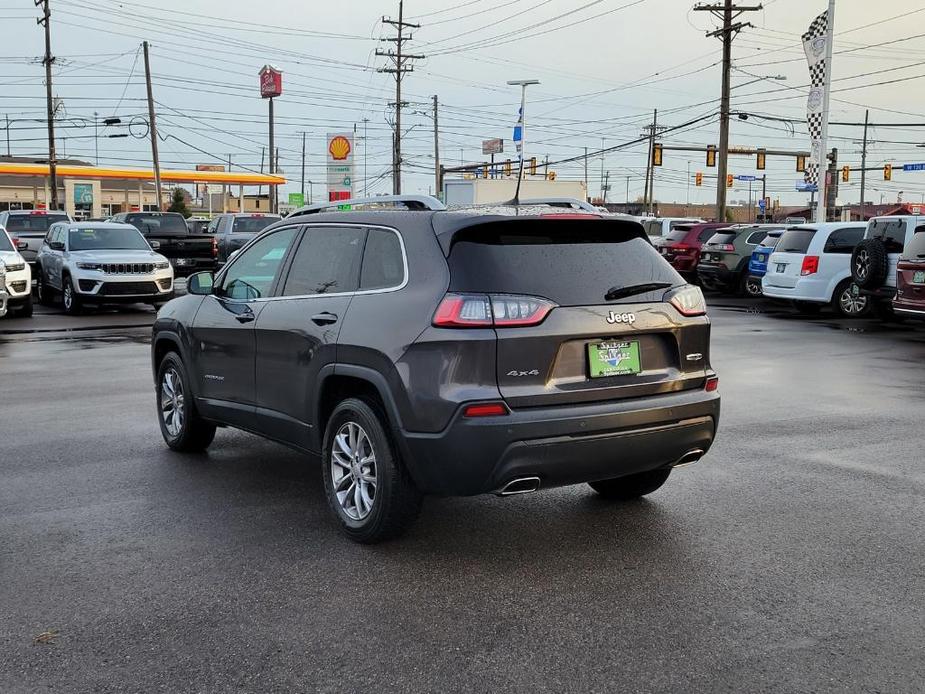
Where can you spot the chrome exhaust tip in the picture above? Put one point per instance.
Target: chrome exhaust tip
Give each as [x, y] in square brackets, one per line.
[519, 485]
[689, 458]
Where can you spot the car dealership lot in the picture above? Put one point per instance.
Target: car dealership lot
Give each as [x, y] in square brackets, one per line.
[788, 559]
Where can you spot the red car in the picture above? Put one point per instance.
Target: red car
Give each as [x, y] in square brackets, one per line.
[682, 246]
[910, 278]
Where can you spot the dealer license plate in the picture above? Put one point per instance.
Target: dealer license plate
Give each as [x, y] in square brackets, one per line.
[613, 358]
[762, 258]
[919, 277]
[782, 267]
[180, 261]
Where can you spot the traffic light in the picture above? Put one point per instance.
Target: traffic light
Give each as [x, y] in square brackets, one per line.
[656, 154]
[887, 172]
[845, 174]
[762, 156]
[801, 163]
[698, 179]
[508, 170]
[532, 169]
[729, 180]
[767, 204]
[711, 155]
[485, 171]
[551, 176]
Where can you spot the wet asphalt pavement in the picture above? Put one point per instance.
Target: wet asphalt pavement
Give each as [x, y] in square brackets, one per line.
[790, 559]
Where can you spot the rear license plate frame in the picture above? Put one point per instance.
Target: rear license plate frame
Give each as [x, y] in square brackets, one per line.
[609, 358]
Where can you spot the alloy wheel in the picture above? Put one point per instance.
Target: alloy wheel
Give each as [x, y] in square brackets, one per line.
[752, 287]
[862, 266]
[67, 296]
[850, 304]
[172, 402]
[353, 471]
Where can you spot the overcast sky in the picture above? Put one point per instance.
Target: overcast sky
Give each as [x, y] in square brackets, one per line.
[604, 66]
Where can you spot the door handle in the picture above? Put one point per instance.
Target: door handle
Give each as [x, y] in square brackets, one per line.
[324, 318]
[245, 317]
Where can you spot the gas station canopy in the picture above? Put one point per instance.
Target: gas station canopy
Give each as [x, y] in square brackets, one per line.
[243, 178]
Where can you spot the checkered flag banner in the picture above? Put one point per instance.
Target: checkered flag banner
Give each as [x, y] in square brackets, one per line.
[814, 43]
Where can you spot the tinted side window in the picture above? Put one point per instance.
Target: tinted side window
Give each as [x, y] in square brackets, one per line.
[326, 262]
[383, 265]
[843, 241]
[252, 273]
[916, 248]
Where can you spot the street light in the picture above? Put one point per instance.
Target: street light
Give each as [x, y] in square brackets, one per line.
[521, 128]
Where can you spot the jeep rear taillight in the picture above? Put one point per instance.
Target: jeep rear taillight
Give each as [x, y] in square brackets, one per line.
[483, 310]
[726, 247]
[688, 301]
[810, 265]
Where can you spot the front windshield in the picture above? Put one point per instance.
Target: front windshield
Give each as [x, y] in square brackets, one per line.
[110, 238]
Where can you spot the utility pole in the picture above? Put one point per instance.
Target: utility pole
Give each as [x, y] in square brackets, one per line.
[586, 173]
[438, 184]
[398, 58]
[45, 20]
[152, 126]
[263, 152]
[627, 192]
[303, 166]
[764, 194]
[727, 12]
[864, 165]
[365, 150]
[606, 187]
[7, 135]
[649, 191]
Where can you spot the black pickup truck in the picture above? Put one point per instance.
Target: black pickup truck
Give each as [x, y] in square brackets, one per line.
[232, 231]
[188, 253]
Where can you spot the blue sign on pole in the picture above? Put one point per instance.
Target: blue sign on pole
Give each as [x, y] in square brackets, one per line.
[746, 178]
[914, 167]
[761, 204]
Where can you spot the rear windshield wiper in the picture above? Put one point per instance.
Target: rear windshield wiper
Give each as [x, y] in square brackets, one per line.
[615, 293]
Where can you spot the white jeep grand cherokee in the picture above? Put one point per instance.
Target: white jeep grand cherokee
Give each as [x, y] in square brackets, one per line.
[101, 263]
[18, 282]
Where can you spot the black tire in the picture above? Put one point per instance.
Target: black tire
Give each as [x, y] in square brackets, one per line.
[395, 502]
[751, 286]
[70, 299]
[192, 434]
[44, 293]
[25, 310]
[848, 304]
[632, 486]
[869, 264]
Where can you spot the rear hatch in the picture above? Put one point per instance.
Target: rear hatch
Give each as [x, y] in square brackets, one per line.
[674, 241]
[786, 262]
[585, 348]
[910, 273]
[718, 247]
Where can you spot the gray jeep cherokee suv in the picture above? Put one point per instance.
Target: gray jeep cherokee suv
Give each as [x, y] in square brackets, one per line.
[445, 352]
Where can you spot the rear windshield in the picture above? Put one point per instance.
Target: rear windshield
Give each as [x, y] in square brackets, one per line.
[891, 231]
[251, 224]
[38, 223]
[156, 223]
[653, 227]
[724, 237]
[916, 248]
[107, 238]
[770, 241]
[679, 233]
[795, 240]
[573, 263]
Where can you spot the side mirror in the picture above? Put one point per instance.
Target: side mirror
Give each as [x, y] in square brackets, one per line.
[199, 283]
[56, 245]
[155, 245]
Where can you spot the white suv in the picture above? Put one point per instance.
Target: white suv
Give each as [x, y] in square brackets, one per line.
[18, 282]
[811, 265]
[101, 263]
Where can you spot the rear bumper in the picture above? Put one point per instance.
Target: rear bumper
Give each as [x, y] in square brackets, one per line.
[562, 445]
[188, 266]
[915, 311]
[716, 275]
[806, 289]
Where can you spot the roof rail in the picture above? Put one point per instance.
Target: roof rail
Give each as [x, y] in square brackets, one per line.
[573, 203]
[412, 202]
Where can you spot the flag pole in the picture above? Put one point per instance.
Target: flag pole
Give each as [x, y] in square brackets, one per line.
[823, 205]
[523, 84]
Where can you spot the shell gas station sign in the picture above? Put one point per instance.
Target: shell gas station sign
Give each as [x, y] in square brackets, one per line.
[340, 170]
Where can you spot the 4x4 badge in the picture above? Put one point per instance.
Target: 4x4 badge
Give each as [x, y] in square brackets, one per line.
[628, 318]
